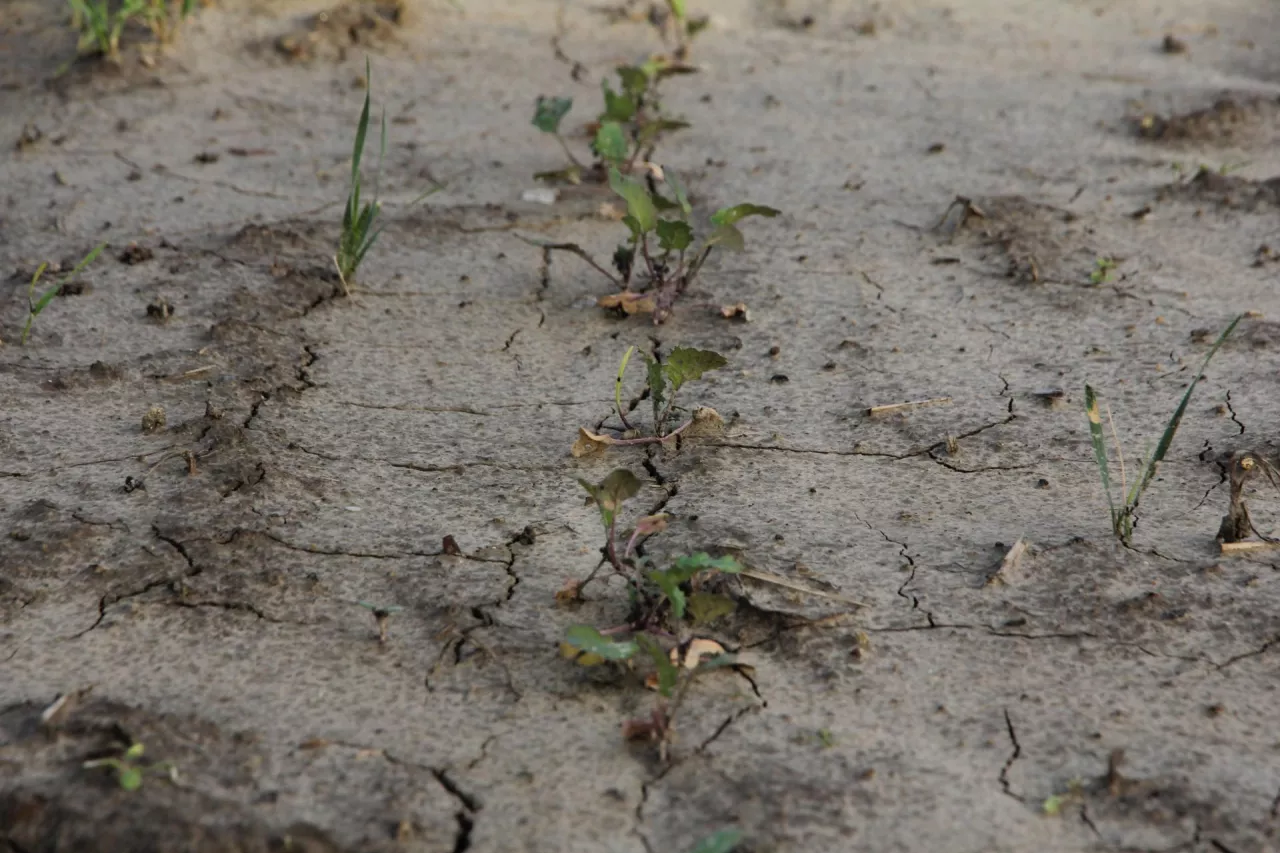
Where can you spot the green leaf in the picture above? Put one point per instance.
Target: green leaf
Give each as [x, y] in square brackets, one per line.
[696, 25]
[636, 195]
[707, 607]
[611, 143]
[586, 639]
[613, 491]
[686, 363]
[668, 672]
[130, 778]
[567, 175]
[362, 129]
[1171, 428]
[727, 236]
[549, 112]
[669, 582]
[134, 751]
[677, 8]
[635, 81]
[723, 841]
[654, 129]
[674, 235]
[617, 107]
[730, 215]
[633, 225]
[695, 563]
[717, 662]
[682, 197]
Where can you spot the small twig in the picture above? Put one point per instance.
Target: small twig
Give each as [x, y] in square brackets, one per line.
[910, 404]
[653, 439]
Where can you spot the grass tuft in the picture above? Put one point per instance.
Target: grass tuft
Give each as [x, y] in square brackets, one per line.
[1122, 515]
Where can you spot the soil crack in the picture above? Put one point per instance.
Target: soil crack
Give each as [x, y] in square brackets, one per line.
[1014, 756]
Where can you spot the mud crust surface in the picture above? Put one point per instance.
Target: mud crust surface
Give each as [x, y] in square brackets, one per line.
[193, 587]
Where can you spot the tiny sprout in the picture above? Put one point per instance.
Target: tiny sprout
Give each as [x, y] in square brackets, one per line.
[128, 770]
[1102, 270]
[35, 306]
[381, 616]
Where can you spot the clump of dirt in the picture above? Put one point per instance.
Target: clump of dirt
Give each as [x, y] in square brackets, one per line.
[1228, 190]
[1035, 238]
[329, 35]
[1226, 120]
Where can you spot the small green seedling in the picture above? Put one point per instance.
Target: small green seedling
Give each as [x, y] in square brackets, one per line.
[382, 617]
[663, 380]
[663, 601]
[1103, 268]
[660, 251]
[358, 221]
[129, 771]
[102, 22]
[679, 28]
[1122, 516]
[627, 131]
[36, 305]
[723, 841]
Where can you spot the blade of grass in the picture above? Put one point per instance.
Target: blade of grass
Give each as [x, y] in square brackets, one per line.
[617, 386]
[1171, 428]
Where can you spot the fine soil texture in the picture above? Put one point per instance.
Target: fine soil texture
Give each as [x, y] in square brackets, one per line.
[214, 449]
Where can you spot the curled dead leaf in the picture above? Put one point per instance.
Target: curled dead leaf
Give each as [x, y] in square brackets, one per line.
[651, 524]
[588, 442]
[630, 302]
[695, 651]
[569, 593]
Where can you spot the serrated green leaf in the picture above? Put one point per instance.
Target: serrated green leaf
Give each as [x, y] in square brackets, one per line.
[730, 215]
[669, 583]
[723, 841]
[706, 607]
[674, 235]
[677, 188]
[549, 112]
[727, 237]
[610, 142]
[130, 778]
[588, 640]
[617, 107]
[668, 672]
[636, 195]
[685, 363]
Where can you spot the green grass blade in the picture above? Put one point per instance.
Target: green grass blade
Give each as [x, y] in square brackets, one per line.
[617, 385]
[362, 129]
[1171, 428]
[1099, 445]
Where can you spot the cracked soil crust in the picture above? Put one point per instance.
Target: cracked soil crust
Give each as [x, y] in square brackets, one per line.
[194, 587]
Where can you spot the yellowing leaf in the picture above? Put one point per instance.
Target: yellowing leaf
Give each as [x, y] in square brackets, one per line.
[630, 302]
[705, 607]
[588, 442]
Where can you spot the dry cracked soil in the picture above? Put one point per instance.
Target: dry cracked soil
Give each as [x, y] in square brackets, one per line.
[193, 587]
